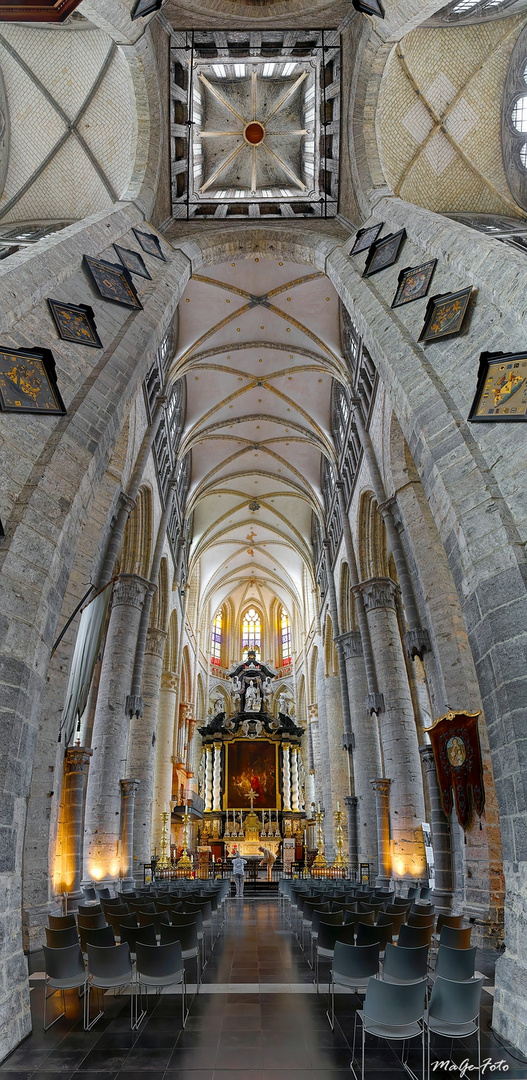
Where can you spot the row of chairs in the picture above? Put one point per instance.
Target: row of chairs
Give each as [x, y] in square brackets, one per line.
[157, 934]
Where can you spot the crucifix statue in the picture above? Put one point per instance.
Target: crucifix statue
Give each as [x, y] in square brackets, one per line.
[251, 795]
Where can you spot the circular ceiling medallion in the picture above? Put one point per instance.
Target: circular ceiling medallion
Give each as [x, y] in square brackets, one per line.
[254, 133]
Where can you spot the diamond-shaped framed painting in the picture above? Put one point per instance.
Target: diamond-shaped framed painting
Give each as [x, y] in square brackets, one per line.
[365, 238]
[501, 393]
[145, 7]
[28, 382]
[113, 282]
[384, 253]
[75, 323]
[369, 7]
[149, 243]
[133, 261]
[445, 315]
[414, 283]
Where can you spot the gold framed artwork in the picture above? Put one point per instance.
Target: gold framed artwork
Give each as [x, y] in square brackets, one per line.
[149, 243]
[75, 323]
[501, 392]
[364, 238]
[445, 315]
[384, 253]
[113, 282]
[133, 261]
[414, 283]
[251, 763]
[28, 382]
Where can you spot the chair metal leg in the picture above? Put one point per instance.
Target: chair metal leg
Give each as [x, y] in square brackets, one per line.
[331, 1017]
[46, 996]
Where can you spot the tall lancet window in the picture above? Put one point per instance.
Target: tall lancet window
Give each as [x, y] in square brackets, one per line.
[251, 630]
[285, 625]
[217, 638]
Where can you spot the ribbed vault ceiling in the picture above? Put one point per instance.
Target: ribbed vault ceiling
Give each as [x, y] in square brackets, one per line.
[259, 344]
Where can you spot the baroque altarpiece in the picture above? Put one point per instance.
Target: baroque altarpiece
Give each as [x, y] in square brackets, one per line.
[251, 772]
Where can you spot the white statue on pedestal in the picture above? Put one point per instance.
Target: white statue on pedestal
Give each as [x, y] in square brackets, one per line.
[283, 704]
[252, 698]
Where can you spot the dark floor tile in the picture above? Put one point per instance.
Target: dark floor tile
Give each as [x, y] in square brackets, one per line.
[106, 1060]
[241, 1074]
[26, 1059]
[63, 1061]
[250, 1023]
[194, 1040]
[277, 1058]
[193, 1074]
[122, 1040]
[204, 1058]
[240, 1058]
[102, 1074]
[153, 1060]
[162, 1039]
[233, 1039]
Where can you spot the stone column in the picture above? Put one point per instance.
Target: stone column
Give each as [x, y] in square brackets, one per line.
[76, 766]
[398, 730]
[366, 752]
[315, 763]
[208, 777]
[216, 782]
[163, 753]
[286, 776]
[294, 779]
[352, 802]
[441, 840]
[381, 788]
[110, 731]
[324, 758]
[128, 790]
[141, 747]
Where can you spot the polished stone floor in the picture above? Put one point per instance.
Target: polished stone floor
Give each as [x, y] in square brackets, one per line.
[257, 1017]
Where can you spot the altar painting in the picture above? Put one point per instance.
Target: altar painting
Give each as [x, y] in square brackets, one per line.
[251, 764]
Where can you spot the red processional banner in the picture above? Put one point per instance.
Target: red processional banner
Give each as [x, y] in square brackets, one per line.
[457, 755]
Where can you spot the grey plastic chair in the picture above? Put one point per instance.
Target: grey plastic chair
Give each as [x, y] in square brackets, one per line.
[455, 938]
[60, 939]
[89, 894]
[449, 920]
[353, 966]
[392, 1012]
[395, 918]
[413, 892]
[102, 894]
[61, 922]
[161, 966]
[187, 936]
[111, 968]
[411, 937]
[145, 934]
[453, 1011]
[101, 935]
[458, 965]
[369, 935]
[64, 971]
[89, 909]
[328, 935]
[92, 922]
[405, 965]
[416, 919]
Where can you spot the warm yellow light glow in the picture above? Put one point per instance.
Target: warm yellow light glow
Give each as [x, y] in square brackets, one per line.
[113, 869]
[399, 866]
[96, 872]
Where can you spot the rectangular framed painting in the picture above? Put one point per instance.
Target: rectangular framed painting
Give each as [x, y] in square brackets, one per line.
[133, 261]
[251, 763]
[28, 382]
[414, 283]
[149, 243]
[369, 7]
[501, 392]
[145, 7]
[75, 323]
[365, 238]
[384, 253]
[444, 315]
[113, 282]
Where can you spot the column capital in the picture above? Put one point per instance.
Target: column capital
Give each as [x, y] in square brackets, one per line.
[377, 592]
[375, 703]
[417, 642]
[78, 759]
[126, 502]
[427, 755]
[351, 643]
[312, 711]
[169, 680]
[155, 641]
[390, 508]
[130, 591]
[351, 800]
[348, 741]
[129, 788]
[381, 785]
[134, 705]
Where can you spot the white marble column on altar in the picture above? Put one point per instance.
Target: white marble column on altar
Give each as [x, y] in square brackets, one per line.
[294, 779]
[216, 779]
[286, 776]
[208, 778]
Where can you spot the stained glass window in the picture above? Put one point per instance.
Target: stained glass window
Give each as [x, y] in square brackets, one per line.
[251, 630]
[217, 635]
[286, 638]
